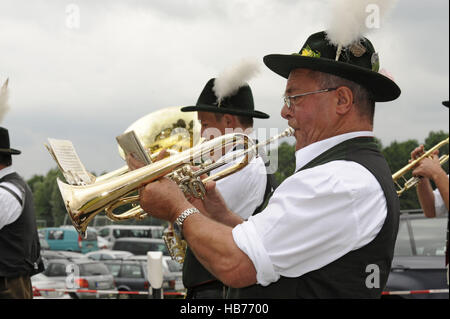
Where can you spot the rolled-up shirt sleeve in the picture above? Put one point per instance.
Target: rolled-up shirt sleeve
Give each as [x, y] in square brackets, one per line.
[314, 217]
[245, 233]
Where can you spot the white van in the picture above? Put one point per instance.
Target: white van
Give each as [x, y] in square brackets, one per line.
[113, 232]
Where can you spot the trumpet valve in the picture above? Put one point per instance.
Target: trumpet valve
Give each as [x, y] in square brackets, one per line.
[197, 188]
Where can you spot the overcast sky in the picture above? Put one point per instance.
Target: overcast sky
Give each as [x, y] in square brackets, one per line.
[86, 70]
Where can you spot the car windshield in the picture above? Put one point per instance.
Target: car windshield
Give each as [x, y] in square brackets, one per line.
[421, 237]
[93, 269]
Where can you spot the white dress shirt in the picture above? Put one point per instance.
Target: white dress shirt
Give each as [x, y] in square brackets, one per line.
[10, 208]
[244, 190]
[314, 217]
[439, 204]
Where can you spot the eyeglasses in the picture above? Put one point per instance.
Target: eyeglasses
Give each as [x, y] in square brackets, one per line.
[287, 98]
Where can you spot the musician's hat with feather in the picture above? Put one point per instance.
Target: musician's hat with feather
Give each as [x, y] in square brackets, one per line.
[4, 135]
[230, 93]
[4, 96]
[342, 50]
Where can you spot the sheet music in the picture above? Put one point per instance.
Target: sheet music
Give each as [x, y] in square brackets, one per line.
[64, 154]
[130, 143]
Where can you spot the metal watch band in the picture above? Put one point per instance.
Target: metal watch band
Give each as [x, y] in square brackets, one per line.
[180, 219]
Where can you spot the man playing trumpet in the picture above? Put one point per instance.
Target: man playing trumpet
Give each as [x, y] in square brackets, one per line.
[226, 106]
[329, 230]
[433, 202]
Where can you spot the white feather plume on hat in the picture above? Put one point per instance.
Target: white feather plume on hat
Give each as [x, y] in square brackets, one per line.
[231, 79]
[350, 20]
[4, 95]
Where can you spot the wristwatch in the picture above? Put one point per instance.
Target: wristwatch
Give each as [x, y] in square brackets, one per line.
[178, 224]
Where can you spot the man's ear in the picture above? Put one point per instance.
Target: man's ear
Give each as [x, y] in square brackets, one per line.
[344, 100]
[229, 120]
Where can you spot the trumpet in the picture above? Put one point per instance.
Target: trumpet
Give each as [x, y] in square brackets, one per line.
[83, 203]
[413, 181]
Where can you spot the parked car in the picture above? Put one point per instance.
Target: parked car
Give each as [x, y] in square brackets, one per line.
[44, 244]
[129, 275]
[61, 254]
[105, 254]
[419, 257]
[41, 281]
[140, 246]
[113, 232]
[103, 243]
[172, 272]
[67, 238]
[82, 273]
[58, 254]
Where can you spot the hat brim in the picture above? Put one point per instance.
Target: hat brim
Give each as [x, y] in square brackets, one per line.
[10, 151]
[215, 109]
[382, 88]
[445, 103]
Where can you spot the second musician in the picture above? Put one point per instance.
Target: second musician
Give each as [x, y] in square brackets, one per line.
[433, 202]
[243, 191]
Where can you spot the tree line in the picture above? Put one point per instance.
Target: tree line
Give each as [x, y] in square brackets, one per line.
[50, 208]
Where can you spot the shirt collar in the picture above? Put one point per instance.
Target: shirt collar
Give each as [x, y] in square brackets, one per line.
[6, 171]
[305, 155]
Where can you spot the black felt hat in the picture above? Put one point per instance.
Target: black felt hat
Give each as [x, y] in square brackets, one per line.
[358, 63]
[240, 103]
[445, 103]
[4, 143]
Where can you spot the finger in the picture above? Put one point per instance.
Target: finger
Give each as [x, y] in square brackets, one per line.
[416, 172]
[133, 162]
[418, 151]
[129, 161]
[210, 186]
[162, 154]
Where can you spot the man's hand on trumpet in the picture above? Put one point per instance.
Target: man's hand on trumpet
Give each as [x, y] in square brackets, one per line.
[429, 167]
[133, 163]
[163, 199]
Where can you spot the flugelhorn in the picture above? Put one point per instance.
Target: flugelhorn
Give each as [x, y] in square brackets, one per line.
[168, 128]
[399, 176]
[83, 203]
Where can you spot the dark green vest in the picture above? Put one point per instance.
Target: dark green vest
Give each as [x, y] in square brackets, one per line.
[345, 277]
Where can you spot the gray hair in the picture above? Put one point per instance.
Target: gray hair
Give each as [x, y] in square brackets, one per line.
[362, 97]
